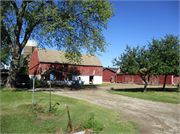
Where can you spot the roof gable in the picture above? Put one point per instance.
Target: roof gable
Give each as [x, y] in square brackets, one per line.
[54, 56]
[116, 70]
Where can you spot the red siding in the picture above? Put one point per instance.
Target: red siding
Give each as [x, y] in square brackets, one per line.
[168, 80]
[79, 70]
[107, 74]
[121, 78]
[137, 79]
[176, 79]
[34, 63]
[153, 80]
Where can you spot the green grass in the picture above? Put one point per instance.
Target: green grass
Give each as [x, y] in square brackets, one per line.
[170, 95]
[18, 117]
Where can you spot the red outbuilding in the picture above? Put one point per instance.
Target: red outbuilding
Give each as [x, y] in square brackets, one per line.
[114, 75]
[44, 62]
[110, 74]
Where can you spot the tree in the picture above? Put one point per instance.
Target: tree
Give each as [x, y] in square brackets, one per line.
[69, 25]
[5, 53]
[135, 61]
[20, 63]
[165, 56]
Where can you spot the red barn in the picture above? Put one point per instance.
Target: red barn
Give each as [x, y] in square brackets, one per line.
[159, 80]
[44, 62]
[110, 74]
[114, 75]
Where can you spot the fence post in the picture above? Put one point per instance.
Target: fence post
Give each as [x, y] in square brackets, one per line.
[50, 97]
[33, 92]
[69, 123]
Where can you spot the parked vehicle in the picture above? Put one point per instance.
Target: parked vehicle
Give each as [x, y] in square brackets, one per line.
[21, 80]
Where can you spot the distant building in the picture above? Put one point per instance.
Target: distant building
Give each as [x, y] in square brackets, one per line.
[114, 75]
[4, 66]
[110, 74]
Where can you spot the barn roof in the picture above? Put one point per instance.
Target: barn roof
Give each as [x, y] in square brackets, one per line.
[116, 70]
[54, 56]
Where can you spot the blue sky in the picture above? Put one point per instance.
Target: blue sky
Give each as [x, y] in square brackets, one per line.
[137, 22]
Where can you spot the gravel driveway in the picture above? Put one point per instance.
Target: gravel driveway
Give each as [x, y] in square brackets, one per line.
[151, 117]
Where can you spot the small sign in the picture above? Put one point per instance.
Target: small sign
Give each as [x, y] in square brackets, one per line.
[51, 77]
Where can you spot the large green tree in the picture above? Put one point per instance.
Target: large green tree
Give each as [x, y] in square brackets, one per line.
[69, 25]
[5, 53]
[135, 61]
[165, 56]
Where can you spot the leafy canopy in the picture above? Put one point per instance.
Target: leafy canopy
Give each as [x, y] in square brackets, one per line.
[69, 25]
[165, 55]
[5, 53]
[133, 61]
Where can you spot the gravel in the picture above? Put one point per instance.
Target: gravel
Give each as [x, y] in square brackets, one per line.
[151, 117]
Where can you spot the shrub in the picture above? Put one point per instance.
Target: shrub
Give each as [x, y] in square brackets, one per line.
[38, 83]
[24, 70]
[92, 123]
[52, 110]
[178, 85]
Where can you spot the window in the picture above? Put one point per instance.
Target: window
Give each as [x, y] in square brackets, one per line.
[66, 78]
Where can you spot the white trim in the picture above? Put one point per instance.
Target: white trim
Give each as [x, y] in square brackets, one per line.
[36, 76]
[97, 79]
[84, 78]
[172, 80]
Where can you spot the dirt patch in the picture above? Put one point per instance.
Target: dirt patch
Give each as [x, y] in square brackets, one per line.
[151, 117]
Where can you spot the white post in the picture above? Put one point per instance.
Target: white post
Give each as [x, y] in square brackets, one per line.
[33, 92]
[172, 80]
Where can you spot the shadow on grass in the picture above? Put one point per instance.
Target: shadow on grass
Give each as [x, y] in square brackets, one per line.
[148, 90]
[64, 87]
[14, 90]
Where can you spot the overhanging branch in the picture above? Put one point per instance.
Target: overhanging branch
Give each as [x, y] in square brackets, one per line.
[29, 29]
[15, 7]
[7, 37]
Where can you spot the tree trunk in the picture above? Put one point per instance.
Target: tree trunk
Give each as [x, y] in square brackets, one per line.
[145, 87]
[13, 71]
[165, 82]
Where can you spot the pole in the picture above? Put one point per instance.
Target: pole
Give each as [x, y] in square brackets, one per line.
[33, 92]
[69, 117]
[50, 97]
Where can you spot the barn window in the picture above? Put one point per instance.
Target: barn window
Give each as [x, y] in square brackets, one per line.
[65, 77]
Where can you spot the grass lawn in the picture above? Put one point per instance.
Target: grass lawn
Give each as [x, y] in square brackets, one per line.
[170, 95]
[19, 116]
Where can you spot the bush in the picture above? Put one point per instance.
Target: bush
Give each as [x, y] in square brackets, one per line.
[178, 85]
[24, 70]
[38, 83]
[92, 123]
